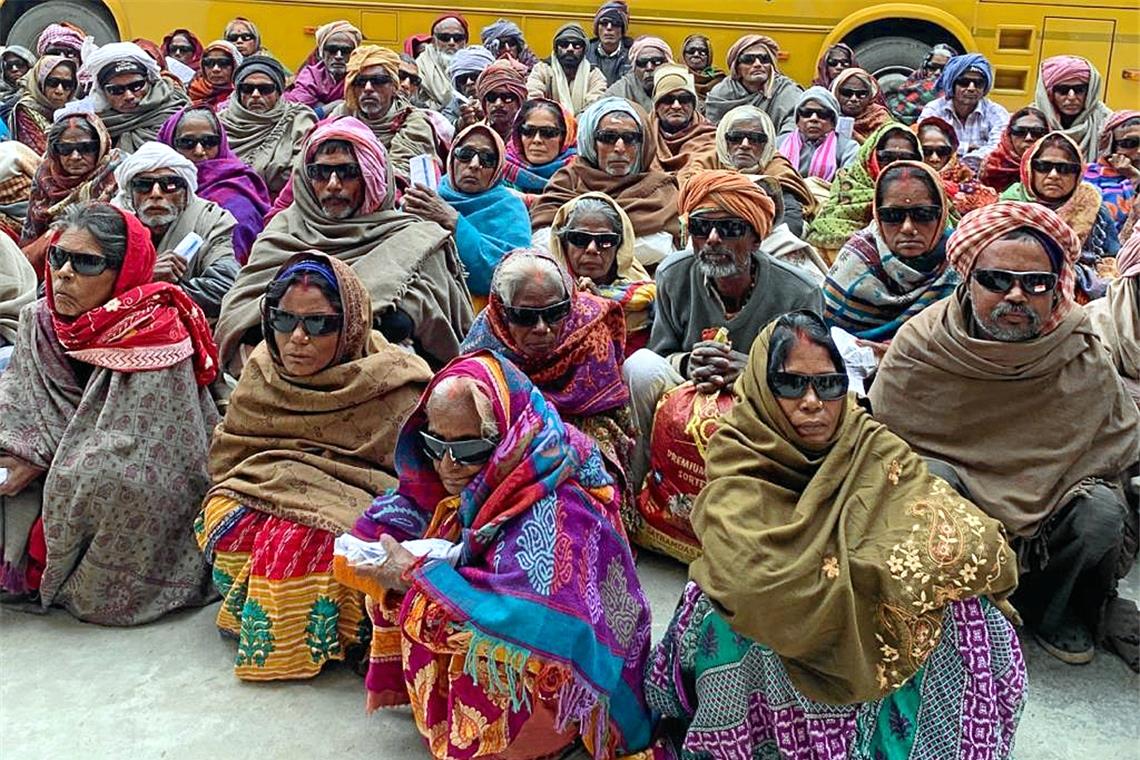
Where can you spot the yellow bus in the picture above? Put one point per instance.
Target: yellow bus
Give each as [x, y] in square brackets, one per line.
[889, 37]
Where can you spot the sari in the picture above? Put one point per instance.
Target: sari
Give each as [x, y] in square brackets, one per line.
[113, 406]
[962, 187]
[539, 635]
[528, 179]
[840, 602]
[1002, 166]
[31, 117]
[229, 182]
[294, 463]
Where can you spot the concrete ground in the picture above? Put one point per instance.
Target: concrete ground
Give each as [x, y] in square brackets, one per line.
[166, 690]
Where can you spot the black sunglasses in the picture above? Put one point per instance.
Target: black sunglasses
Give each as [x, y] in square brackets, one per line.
[681, 99]
[463, 80]
[1001, 281]
[118, 89]
[1128, 143]
[500, 96]
[176, 49]
[266, 88]
[377, 81]
[890, 156]
[644, 63]
[1063, 168]
[524, 316]
[942, 151]
[224, 62]
[582, 239]
[610, 137]
[52, 82]
[189, 142]
[324, 172]
[86, 264]
[829, 386]
[241, 37]
[917, 214]
[847, 92]
[750, 58]
[833, 62]
[934, 67]
[313, 324]
[1035, 132]
[16, 64]
[66, 52]
[453, 37]
[727, 229]
[566, 44]
[146, 185]
[343, 51]
[738, 136]
[965, 82]
[407, 76]
[1070, 89]
[547, 133]
[820, 113]
[487, 158]
[695, 51]
[86, 148]
[464, 452]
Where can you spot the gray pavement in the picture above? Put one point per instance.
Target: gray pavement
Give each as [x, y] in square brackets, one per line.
[166, 690]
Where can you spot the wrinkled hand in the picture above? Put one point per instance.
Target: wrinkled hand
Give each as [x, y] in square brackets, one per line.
[426, 204]
[588, 285]
[470, 113]
[20, 474]
[170, 267]
[714, 366]
[1123, 164]
[879, 349]
[389, 573]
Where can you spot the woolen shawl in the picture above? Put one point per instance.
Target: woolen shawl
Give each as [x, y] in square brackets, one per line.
[130, 130]
[1088, 124]
[1002, 168]
[17, 287]
[841, 559]
[270, 141]
[1116, 319]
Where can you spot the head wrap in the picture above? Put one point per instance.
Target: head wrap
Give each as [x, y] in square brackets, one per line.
[740, 113]
[646, 44]
[748, 41]
[445, 16]
[616, 10]
[853, 72]
[822, 78]
[588, 125]
[503, 74]
[942, 125]
[326, 32]
[152, 156]
[370, 154]
[500, 150]
[981, 227]
[729, 191]
[104, 63]
[365, 56]
[1128, 258]
[195, 57]
[228, 47]
[1104, 146]
[573, 31]
[959, 65]
[1025, 173]
[1061, 67]
[670, 78]
[416, 39]
[493, 34]
[822, 96]
[60, 35]
[470, 60]
[252, 30]
[263, 64]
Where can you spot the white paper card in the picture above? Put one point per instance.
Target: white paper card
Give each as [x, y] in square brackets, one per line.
[860, 360]
[3, 475]
[422, 170]
[189, 245]
[359, 552]
[845, 127]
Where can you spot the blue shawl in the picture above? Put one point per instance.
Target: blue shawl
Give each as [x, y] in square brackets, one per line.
[490, 224]
[531, 179]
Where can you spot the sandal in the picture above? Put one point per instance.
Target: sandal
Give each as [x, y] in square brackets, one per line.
[1070, 643]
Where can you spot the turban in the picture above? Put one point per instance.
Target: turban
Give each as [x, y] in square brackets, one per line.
[617, 10]
[60, 35]
[115, 58]
[363, 57]
[571, 31]
[959, 65]
[751, 40]
[499, 30]
[503, 74]
[228, 48]
[981, 227]
[1062, 67]
[370, 155]
[324, 33]
[646, 44]
[152, 156]
[820, 95]
[742, 113]
[588, 125]
[261, 64]
[1104, 146]
[729, 191]
[445, 16]
[470, 60]
[670, 78]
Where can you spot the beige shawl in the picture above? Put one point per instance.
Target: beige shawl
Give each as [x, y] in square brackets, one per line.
[1116, 319]
[269, 142]
[436, 87]
[548, 80]
[17, 287]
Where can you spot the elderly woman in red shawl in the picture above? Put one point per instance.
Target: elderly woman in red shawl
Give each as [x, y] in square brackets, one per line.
[213, 85]
[939, 142]
[571, 343]
[105, 420]
[1002, 166]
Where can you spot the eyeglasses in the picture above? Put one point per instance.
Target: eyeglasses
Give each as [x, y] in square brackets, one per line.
[1061, 167]
[407, 76]
[847, 92]
[500, 96]
[582, 239]
[695, 51]
[610, 137]
[890, 156]
[547, 133]
[217, 63]
[1035, 132]
[967, 82]
[566, 44]
[1001, 281]
[681, 99]
[86, 264]
[324, 172]
[935, 68]
[116, 90]
[942, 151]
[738, 136]
[894, 215]
[644, 63]
[313, 324]
[66, 52]
[524, 316]
[15, 64]
[820, 113]
[208, 142]
[454, 37]
[750, 58]
[464, 80]
[487, 158]
[377, 81]
[53, 82]
[728, 229]
[829, 386]
[338, 51]
[266, 88]
[1128, 143]
[465, 452]
[146, 185]
[833, 62]
[184, 49]
[86, 148]
[1070, 89]
[241, 37]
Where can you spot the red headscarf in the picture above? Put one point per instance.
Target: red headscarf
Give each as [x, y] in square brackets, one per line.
[196, 56]
[445, 16]
[146, 325]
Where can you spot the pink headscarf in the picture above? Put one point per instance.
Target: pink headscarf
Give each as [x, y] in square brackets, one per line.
[370, 154]
[1128, 258]
[647, 44]
[65, 35]
[1062, 67]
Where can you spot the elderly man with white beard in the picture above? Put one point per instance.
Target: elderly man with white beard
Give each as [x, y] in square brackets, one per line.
[158, 185]
[448, 36]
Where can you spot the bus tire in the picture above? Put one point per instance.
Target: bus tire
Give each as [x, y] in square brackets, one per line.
[92, 17]
[891, 59]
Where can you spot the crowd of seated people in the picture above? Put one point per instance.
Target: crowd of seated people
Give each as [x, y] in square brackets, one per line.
[383, 349]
